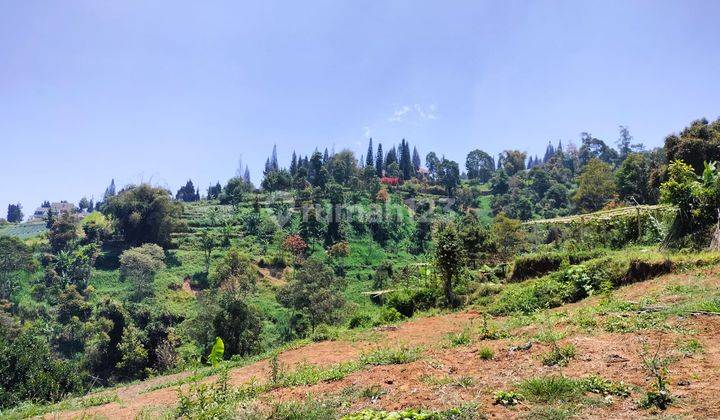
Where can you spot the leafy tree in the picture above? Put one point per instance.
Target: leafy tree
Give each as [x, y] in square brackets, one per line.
[449, 259]
[633, 178]
[63, 233]
[596, 186]
[593, 148]
[84, 204]
[314, 291]
[71, 266]
[512, 161]
[15, 256]
[235, 273]
[139, 265]
[475, 237]
[277, 180]
[30, 372]
[508, 236]
[96, 227]
[133, 354]
[144, 213]
[432, 162]
[696, 144]
[449, 175]
[423, 227]
[479, 165]
[696, 197]
[234, 191]
[14, 213]
[344, 167]
[207, 242]
[238, 324]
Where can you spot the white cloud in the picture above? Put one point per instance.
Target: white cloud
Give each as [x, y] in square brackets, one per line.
[400, 114]
[417, 112]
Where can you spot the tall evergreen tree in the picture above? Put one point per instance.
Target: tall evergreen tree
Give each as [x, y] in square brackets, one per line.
[14, 213]
[246, 176]
[274, 160]
[379, 163]
[416, 159]
[293, 164]
[405, 160]
[369, 157]
[110, 190]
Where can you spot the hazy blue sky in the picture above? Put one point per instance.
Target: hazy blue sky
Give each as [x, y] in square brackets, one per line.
[164, 91]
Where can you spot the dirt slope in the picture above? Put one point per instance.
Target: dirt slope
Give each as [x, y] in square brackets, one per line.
[447, 377]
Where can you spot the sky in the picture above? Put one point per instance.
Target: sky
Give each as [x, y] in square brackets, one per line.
[164, 91]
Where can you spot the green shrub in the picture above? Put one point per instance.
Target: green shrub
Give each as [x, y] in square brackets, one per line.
[559, 355]
[486, 353]
[550, 389]
[359, 321]
[324, 332]
[389, 315]
[401, 301]
[535, 265]
[602, 386]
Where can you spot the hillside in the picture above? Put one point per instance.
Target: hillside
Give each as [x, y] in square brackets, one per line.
[444, 368]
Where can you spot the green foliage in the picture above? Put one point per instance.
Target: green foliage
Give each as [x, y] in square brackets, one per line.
[486, 353]
[599, 385]
[29, 370]
[235, 273]
[449, 259]
[314, 292]
[415, 414]
[15, 256]
[534, 265]
[217, 400]
[596, 186]
[559, 355]
[140, 265]
[144, 214]
[391, 356]
[550, 389]
[389, 315]
[238, 324]
[216, 353]
[507, 398]
[133, 354]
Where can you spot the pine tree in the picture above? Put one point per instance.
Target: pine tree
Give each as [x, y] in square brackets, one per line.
[326, 156]
[379, 164]
[273, 159]
[416, 159]
[246, 176]
[405, 161]
[110, 190]
[369, 156]
[293, 164]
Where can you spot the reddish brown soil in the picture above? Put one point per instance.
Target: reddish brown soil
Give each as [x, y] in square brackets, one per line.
[610, 355]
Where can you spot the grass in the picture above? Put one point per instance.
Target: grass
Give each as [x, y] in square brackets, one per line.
[34, 410]
[486, 353]
[559, 355]
[400, 355]
[550, 389]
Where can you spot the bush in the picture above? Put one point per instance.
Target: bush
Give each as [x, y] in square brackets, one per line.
[486, 353]
[559, 355]
[359, 320]
[535, 265]
[390, 315]
[507, 398]
[401, 301]
[390, 356]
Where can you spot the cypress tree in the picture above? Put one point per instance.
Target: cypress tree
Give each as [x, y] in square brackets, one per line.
[379, 164]
[369, 157]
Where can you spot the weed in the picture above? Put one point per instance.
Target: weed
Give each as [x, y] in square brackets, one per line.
[391, 356]
[559, 355]
[604, 387]
[464, 382]
[373, 392]
[690, 347]
[508, 398]
[459, 339]
[655, 363]
[486, 353]
[550, 389]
